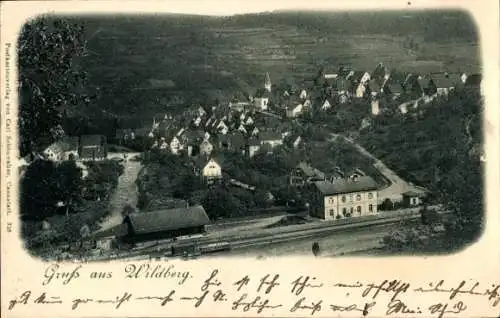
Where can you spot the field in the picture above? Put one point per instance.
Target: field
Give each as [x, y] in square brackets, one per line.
[145, 65]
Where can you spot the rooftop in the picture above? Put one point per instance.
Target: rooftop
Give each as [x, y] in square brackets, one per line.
[270, 135]
[201, 161]
[364, 183]
[395, 88]
[70, 142]
[310, 171]
[375, 85]
[341, 84]
[92, 140]
[424, 81]
[473, 80]
[413, 194]
[444, 80]
[253, 142]
[167, 220]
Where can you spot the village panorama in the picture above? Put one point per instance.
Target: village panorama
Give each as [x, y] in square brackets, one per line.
[282, 133]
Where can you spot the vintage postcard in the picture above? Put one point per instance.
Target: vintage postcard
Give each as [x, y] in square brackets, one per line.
[236, 158]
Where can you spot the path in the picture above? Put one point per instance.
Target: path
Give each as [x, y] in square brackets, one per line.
[397, 187]
[125, 192]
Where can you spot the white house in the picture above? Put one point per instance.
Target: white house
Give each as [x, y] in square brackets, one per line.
[201, 111]
[375, 104]
[360, 90]
[209, 170]
[206, 136]
[345, 198]
[65, 149]
[294, 110]
[175, 145]
[326, 105]
[365, 78]
[242, 129]
[249, 121]
[253, 147]
[296, 142]
[197, 121]
[303, 94]
[222, 127]
[255, 131]
[206, 148]
[403, 108]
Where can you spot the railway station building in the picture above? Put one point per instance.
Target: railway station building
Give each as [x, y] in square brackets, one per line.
[165, 224]
[344, 198]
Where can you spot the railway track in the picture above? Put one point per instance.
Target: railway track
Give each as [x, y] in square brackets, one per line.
[317, 228]
[312, 233]
[238, 242]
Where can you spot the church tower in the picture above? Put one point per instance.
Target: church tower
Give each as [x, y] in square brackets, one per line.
[267, 83]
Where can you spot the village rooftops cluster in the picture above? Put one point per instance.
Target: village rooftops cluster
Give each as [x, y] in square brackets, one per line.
[347, 83]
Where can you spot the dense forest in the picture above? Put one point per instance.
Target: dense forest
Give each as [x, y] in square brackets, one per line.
[439, 146]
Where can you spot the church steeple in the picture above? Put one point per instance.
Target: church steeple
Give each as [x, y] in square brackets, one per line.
[267, 82]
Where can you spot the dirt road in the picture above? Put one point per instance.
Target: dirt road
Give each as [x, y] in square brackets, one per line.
[125, 192]
[397, 187]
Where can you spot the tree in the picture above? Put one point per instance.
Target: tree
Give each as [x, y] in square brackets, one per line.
[428, 216]
[440, 159]
[462, 193]
[69, 183]
[38, 191]
[387, 204]
[48, 79]
[220, 203]
[45, 184]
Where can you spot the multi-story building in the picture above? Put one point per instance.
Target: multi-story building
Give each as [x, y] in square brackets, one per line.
[344, 198]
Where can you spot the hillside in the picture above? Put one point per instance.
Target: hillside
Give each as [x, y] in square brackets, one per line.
[439, 147]
[144, 65]
[424, 147]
